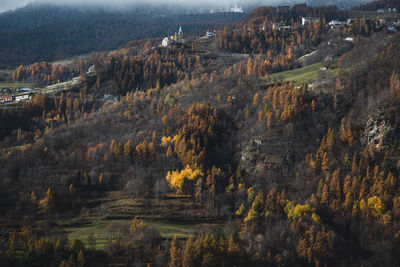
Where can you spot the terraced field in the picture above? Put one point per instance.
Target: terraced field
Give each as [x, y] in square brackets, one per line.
[112, 215]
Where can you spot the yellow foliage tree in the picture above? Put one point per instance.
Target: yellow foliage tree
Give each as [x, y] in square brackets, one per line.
[177, 179]
[128, 147]
[375, 207]
[241, 210]
[255, 99]
[294, 212]
[256, 208]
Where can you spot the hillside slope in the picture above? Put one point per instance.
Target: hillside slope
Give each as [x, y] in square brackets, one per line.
[189, 155]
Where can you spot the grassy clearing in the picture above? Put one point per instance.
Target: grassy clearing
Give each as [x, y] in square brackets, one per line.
[174, 216]
[106, 230]
[299, 76]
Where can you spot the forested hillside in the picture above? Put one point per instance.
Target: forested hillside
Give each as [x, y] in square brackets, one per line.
[42, 32]
[272, 144]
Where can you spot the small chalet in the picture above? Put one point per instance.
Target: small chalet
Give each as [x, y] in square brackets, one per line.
[91, 69]
[349, 39]
[210, 34]
[335, 23]
[23, 97]
[166, 42]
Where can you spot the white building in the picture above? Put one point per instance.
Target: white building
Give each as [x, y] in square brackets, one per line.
[210, 34]
[336, 23]
[166, 42]
[91, 69]
[176, 38]
[24, 97]
[392, 28]
[307, 20]
[349, 39]
[25, 89]
[276, 26]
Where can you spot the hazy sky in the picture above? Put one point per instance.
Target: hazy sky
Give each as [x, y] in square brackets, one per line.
[12, 4]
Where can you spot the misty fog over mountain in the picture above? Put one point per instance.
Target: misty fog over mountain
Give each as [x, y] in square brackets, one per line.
[194, 6]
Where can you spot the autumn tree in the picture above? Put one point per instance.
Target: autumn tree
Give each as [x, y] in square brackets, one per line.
[175, 254]
[47, 203]
[128, 150]
[182, 180]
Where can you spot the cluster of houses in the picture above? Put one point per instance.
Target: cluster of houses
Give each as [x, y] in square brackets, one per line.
[17, 98]
[391, 25]
[176, 38]
[279, 27]
[334, 24]
[25, 94]
[5, 98]
[387, 10]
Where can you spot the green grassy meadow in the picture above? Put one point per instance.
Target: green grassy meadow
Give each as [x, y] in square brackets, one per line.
[106, 230]
[299, 76]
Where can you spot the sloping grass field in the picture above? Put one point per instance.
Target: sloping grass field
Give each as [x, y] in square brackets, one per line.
[299, 76]
[106, 230]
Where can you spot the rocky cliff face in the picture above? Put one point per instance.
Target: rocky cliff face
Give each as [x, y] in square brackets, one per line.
[273, 155]
[380, 128]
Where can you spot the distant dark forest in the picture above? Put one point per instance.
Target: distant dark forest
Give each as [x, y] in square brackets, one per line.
[46, 32]
[374, 5]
